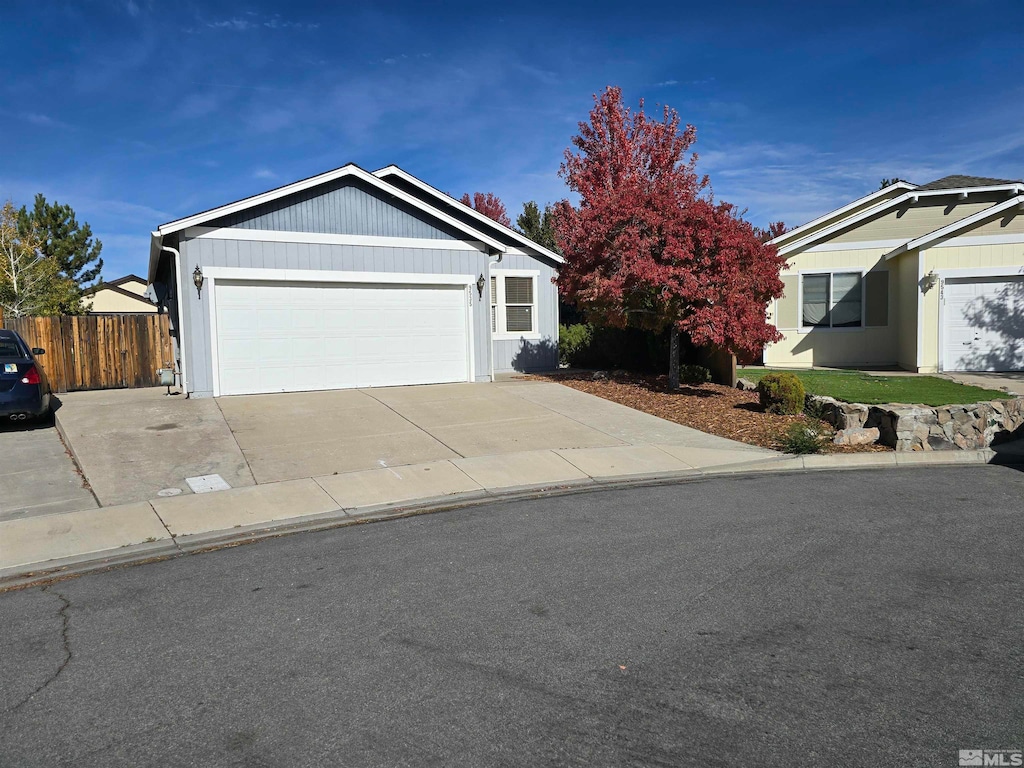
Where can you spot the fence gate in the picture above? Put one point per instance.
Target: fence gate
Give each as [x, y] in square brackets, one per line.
[98, 351]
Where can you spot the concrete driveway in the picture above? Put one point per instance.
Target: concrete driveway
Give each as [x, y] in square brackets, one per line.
[37, 475]
[132, 444]
[290, 436]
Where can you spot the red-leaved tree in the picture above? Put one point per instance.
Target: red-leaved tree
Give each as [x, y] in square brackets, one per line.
[489, 205]
[649, 247]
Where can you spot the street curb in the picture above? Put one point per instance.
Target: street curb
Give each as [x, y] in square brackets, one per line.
[18, 577]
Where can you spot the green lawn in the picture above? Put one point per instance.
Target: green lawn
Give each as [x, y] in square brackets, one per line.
[858, 387]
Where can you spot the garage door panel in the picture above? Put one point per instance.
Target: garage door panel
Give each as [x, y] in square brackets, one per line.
[275, 337]
[981, 326]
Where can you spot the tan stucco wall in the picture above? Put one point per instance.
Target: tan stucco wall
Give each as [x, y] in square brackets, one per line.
[1008, 255]
[112, 301]
[838, 347]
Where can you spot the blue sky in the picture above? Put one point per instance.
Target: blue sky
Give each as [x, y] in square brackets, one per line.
[137, 112]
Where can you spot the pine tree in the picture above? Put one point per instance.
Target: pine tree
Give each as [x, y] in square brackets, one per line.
[70, 245]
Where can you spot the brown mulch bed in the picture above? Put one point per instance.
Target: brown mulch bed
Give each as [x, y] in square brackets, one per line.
[712, 408]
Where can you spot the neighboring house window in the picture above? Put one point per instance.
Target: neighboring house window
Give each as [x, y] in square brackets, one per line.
[514, 303]
[832, 300]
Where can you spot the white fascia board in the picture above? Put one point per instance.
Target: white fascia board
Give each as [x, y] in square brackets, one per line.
[320, 238]
[394, 170]
[957, 226]
[840, 211]
[323, 178]
[867, 213]
[334, 276]
[911, 197]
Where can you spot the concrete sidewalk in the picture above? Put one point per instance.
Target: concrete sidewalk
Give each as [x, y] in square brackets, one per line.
[71, 542]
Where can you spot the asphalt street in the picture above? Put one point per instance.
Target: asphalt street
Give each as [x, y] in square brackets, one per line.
[842, 619]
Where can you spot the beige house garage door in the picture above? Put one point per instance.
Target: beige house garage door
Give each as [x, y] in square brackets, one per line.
[983, 324]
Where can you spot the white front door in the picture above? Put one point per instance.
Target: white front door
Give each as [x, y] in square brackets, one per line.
[983, 324]
[293, 337]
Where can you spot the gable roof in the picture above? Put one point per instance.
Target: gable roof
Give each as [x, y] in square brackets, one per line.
[909, 197]
[130, 278]
[957, 226]
[351, 169]
[394, 170]
[113, 287]
[884, 192]
[961, 182]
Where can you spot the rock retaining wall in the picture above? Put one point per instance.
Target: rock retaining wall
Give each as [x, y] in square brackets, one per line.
[923, 428]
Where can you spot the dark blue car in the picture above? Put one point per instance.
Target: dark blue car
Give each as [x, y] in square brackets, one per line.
[24, 390]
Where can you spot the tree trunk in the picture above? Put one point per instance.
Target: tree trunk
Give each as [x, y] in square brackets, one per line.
[673, 358]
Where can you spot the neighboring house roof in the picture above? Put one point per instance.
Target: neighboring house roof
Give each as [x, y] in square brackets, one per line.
[960, 182]
[394, 170]
[114, 286]
[946, 186]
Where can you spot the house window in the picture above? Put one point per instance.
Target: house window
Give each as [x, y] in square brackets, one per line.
[514, 303]
[832, 300]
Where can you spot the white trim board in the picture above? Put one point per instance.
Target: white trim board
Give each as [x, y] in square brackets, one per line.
[347, 170]
[394, 170]
[333, 276]
[318, 238]
[969, 272]
[839, 211]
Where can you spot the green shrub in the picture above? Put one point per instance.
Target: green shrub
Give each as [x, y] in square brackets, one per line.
[803, 437]
[573, 342]
[694, 374]
[781, 393]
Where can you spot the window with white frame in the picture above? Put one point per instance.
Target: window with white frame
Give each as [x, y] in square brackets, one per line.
[832, 300]
[514, 303]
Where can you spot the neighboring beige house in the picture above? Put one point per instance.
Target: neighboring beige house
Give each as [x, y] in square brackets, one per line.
[119, 297]
[928, 278]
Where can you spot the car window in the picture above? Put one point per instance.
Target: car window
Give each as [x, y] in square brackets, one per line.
[8, 348]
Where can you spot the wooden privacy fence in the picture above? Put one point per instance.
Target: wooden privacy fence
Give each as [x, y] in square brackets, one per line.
[98, 351]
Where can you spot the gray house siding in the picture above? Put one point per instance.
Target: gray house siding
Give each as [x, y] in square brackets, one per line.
[455, 211]
[340, 258]
[529, 354]
[343, 207]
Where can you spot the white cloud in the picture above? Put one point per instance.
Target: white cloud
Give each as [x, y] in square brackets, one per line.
[665, 83]
[264, 173]
[132, 9]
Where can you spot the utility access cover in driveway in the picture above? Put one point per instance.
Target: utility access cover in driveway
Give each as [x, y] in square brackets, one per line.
[37, 476]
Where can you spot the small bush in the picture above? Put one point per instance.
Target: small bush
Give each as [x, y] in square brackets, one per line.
[803, 437]
[781, 393]
[694, 374]
[573, 342]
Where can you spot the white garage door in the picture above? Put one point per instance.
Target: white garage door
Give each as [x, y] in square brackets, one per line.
[293, 337]
[982, 324]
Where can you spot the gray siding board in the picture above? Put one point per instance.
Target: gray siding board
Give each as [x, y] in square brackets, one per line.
[346, 207]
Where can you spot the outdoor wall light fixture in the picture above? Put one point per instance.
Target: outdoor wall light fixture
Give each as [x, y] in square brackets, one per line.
[197, 278]
[928, 281]
[480, 283]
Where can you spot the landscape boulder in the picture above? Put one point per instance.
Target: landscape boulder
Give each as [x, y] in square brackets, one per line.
[856, 436]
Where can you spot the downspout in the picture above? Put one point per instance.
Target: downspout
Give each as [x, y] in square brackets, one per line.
[181, 315]
[490, 329]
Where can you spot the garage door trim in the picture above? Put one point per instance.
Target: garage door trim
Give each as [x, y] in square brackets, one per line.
[241, 274]
[1008, 271]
